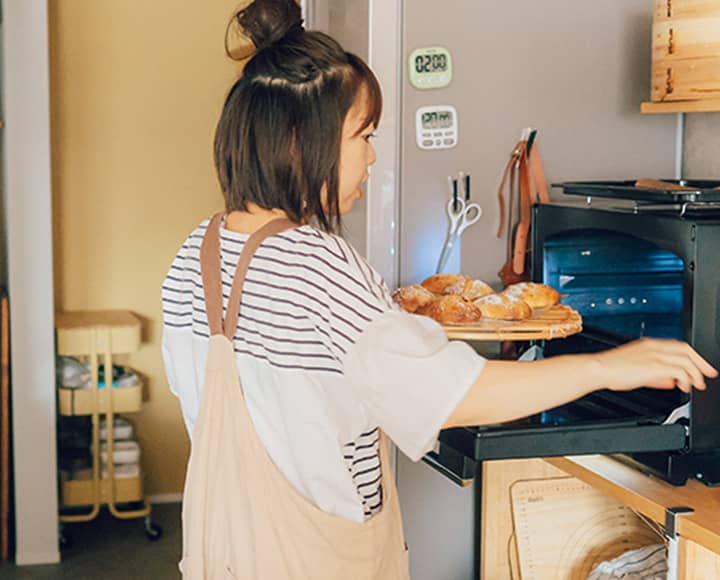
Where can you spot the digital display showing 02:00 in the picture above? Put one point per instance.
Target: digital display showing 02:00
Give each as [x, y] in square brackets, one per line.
[427, 63]
[435, 120]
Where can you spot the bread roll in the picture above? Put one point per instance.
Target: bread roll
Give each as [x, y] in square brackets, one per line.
[410, 298]
[451, 309]
[440, 282]
[469, 289]
[503, 307]
[536, 295]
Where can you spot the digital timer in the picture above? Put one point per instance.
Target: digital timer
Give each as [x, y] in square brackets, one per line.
[436, 127]
[430, 67]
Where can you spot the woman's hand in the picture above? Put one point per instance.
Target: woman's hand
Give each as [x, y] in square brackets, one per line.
[661, 364]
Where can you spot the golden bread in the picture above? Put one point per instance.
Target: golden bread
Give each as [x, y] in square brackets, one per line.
[410, 298]
[536, 295]
[470, 289]
[440, 282]
[450, 309]
[503, 307]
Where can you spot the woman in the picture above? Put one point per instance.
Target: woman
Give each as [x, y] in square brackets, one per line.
[328, 363]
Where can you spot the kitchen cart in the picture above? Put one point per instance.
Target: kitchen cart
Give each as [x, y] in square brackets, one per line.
[95, 338]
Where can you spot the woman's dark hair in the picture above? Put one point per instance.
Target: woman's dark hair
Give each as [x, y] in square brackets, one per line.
[278, 139]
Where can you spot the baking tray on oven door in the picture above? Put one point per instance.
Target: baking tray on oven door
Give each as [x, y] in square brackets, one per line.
[664, 191]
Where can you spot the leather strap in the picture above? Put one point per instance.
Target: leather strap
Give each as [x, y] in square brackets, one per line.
[527, 169]
[508, 176]
[211, 272]
[523, 228]
[538, 175]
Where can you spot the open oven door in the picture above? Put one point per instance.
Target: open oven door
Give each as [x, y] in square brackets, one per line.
[643, 421]
[599, 423]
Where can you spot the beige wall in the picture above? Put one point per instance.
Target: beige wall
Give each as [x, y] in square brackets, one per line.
[136, 89]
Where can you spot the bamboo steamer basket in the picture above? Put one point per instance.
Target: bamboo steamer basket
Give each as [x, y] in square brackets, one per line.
[686, 50]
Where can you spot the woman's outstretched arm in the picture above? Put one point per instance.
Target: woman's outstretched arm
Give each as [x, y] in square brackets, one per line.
[507, 390]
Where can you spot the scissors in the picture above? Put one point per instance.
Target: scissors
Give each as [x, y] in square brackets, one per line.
[461, 214]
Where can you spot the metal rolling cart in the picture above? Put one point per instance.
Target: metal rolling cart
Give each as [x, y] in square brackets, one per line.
[92, 336]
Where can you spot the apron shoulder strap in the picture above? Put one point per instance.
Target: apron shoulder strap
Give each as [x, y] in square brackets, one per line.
[211, 272]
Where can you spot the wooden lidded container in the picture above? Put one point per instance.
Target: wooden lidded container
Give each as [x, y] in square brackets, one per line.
[686, 50]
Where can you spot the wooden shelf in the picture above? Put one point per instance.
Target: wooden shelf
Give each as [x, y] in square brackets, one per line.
[700, 106]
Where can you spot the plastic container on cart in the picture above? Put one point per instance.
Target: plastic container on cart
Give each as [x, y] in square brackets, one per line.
[122, 429]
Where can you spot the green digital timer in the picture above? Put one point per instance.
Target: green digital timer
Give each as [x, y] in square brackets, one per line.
[430, 67]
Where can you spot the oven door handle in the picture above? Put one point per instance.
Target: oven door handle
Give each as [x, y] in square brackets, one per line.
[431, 459]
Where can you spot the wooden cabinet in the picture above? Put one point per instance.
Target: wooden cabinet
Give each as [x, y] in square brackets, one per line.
[558, 517]
[685, 56]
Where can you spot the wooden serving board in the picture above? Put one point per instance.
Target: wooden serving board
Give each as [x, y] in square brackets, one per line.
[556, 322]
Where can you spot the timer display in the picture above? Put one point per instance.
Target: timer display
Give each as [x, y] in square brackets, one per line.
[430, 67]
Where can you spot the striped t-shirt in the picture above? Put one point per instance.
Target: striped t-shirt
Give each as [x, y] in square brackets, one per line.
[326, 360]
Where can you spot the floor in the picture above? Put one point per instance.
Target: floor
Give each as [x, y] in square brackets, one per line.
[111, 549]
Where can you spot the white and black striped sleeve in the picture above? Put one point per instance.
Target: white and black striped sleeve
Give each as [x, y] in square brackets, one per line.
[410, 377]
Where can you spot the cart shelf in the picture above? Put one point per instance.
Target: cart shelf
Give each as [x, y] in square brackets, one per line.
[81, 333]
[82, 401]
[80, 493]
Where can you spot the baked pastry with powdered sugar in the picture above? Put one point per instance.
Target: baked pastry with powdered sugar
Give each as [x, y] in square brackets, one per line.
[451, 309]
[534, 294]
[410, 298]
[503, 307]
[470, 289]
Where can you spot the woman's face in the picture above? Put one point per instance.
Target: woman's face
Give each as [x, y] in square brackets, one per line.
[356, 154]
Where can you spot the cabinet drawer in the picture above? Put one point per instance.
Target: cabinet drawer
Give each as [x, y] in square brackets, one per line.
[667, 9]
[686, 80]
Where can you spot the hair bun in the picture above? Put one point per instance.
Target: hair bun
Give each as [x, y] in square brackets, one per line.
[266, 22]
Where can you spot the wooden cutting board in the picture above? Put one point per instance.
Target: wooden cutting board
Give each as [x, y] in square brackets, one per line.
[556, 322]
[564, 528]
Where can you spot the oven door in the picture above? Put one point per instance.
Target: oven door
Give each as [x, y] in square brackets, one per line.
[604, 422]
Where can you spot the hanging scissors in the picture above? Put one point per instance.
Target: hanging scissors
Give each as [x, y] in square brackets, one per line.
[461, 214]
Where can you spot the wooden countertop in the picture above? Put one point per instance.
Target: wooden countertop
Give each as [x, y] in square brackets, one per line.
[651, 496]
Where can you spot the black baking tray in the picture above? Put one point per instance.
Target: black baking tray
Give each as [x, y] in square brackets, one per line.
[702, 190]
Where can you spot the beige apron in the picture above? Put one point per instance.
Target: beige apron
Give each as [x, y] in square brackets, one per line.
[241, 517]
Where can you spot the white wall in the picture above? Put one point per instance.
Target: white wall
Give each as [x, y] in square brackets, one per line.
[29, 250]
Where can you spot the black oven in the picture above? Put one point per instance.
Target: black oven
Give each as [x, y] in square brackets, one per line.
[650, 267]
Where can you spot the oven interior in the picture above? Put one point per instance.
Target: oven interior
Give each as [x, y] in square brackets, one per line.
[625, 288]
